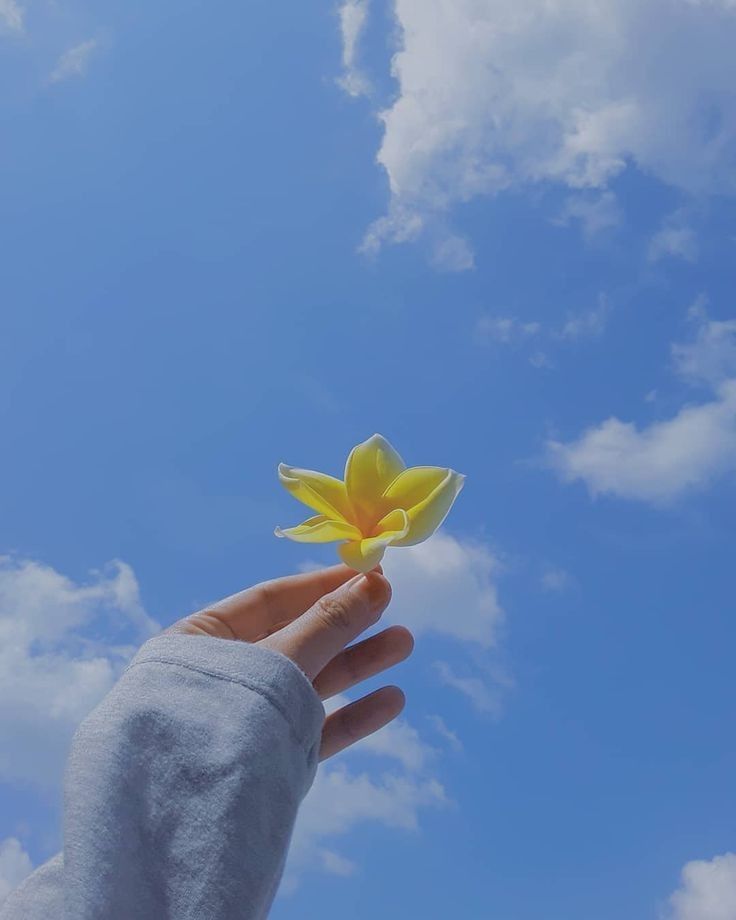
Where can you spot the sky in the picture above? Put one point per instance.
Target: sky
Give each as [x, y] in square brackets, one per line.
[504, 237]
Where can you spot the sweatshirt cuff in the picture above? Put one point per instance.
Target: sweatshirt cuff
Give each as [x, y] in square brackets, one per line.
[263, 670]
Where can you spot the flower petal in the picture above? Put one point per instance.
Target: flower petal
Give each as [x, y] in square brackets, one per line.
[320, 529]
[364, 555]
[371, 468]
[394, 525]
[426, 493]
[317, 490]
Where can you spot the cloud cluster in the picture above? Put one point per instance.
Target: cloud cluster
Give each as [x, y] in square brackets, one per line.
[343, 798]
[443, 587]
[493, 94]
[53, 667]
[661, 461]
[707, 891]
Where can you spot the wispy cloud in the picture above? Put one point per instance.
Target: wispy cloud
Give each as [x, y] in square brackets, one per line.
[484, 697]
[11, 16]
[450, 737]
[15, 865]
[587, 324]
[594, 212]
[74, 61]
[578, 325]
[555, 579]
[353, 17]
[505, 329]
[711, 357]
[674, 239]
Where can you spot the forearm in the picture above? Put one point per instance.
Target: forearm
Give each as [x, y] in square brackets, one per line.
[182, 787]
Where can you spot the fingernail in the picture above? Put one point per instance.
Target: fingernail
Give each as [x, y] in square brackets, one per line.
[373, 589]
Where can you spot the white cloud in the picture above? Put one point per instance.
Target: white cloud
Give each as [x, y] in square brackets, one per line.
[15, 865]
[446, 586]
[665, 459]
[11, 16]
[708, 890]
[493, 94]
[353, 16]
[52, 669]
[74, 62]
[484, 698]
[595, 212]
[675, 239]
[659, 462]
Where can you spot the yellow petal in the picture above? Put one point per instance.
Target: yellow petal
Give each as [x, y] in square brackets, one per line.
[364, 555]
[371, 468]
[394, 525]
[426, 493]
[320, 529]
[317, 490]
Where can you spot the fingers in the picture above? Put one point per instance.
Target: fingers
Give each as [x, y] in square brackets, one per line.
[251, 614]
[360, 719]
[333, 622]
[364, 660]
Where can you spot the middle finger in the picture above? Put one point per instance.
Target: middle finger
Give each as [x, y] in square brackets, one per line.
[363, 660]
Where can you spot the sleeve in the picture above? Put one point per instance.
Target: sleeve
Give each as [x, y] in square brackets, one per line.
[182, 788]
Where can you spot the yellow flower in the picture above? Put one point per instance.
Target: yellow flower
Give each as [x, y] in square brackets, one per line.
[381, 503]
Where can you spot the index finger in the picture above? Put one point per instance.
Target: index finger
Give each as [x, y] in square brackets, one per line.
[255, 611]
[332, 623]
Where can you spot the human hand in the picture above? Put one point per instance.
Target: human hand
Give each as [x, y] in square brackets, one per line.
[311, 619]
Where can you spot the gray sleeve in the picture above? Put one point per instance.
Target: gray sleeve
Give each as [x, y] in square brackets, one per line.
[182, 788]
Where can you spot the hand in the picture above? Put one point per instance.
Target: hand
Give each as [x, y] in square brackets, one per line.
[311, 619]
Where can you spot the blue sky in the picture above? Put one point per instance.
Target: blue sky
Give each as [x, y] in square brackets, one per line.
[260, 233]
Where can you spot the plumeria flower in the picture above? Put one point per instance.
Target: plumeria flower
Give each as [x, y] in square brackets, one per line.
[380, 503]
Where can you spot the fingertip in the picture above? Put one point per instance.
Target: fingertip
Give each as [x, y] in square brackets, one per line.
[393, 699]
[404, 639]
[378, 588]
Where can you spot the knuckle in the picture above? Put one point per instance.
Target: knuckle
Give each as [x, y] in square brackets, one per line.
[333, 613]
